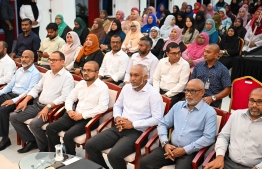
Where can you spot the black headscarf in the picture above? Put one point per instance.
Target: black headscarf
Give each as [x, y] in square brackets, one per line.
[230, 42]
[115, 32]
[166, 12]
[181, 23]
[177, 10]
[34, 8]
[220, 4]
[241, 30]
[200, 23]
[234, 7]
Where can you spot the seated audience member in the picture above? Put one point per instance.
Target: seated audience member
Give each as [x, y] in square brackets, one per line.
[126, 25]
[221, 29]
[115, 30]
[63, 28]
[120, 16]
[195, 51]
[204, 9]
[226, 21]
[165, 13]
[90, 51]
[7, 65]
[71, 49]
[241, 31]
[159, 11]
[104, 17]
[115, 62]
[197, 7]
[175, 11]
[145, 57]
[167, 27]
[27, 40]
[151, 21]
[183, 6]
[138, 107]
[130, 44]
[249, 16]
[219, 5]
[23, 81]
[54, 87]
[229, 47]
[200, 21]
[243, 14]
[180, 19]
[158, 42]
[98, 29]
[189, 11]
[175, 36]
[194, 124]
[210, 29]
[93, 98]
[52, 43]
[171, 74]
[241, 126]
[81, 29]
[210, 10]
[148, 11]
[215, 76]
[235, 6]
[189, 32]
[229, 13]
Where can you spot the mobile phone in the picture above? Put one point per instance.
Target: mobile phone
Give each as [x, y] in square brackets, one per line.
[17, 111]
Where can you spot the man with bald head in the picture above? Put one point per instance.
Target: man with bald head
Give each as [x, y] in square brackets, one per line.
[194, 124]
[23, 81]
[93, 97]
[214, 75]
[242, 137]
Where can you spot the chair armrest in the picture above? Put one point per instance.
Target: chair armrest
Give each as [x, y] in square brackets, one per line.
[198, 157]
[53, 111]
[19, 101]
[59, 113]
[210, 156]
[93, 121]
[150, 143]
[2, 86]
[105, 123]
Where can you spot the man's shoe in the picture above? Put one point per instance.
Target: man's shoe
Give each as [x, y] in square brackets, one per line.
[28, 147]
[3, 145]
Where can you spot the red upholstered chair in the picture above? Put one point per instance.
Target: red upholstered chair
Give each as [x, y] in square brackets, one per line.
[241, 45]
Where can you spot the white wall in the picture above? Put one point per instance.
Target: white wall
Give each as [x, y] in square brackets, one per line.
[126, 5]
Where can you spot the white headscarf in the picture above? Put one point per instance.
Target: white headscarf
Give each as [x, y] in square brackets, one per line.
[155, 40]
[166, 28]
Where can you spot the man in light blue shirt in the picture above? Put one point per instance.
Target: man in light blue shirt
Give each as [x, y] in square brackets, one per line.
[194, 123]
[22, 82]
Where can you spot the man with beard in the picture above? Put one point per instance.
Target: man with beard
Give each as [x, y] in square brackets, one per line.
[93, 97]
[23, 81]
[242, 136]
[138, 107]
[27, 40]
[194, 123]
[54, 87]
[7, 65]
[145, 57]
[52, 43]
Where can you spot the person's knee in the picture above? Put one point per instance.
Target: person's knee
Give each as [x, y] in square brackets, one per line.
[13, 117]
[113, 156]
[90, 145]
[34, 124]
[49, 128]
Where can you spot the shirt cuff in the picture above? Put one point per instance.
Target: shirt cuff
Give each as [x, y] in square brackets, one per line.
[220, 152]
[189, 149]
[163, 138]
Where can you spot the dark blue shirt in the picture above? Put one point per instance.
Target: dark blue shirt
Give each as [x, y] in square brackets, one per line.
[218, 76]
[7, 11]
[29, 42]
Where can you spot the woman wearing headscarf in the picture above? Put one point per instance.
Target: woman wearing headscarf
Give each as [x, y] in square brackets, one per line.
[133, 17]
[241, 31]
[234, 6]
[229, 13]
[130, 44]
[217, 20]
[210, 10]
[229, 47]
[149, 10]
[183, 7]
[210, 29]
[221, 29]
[189, 32]
[98, 29]
[189, 10]
[165, 13]
[81, 29]
[175, 36]
[167, 27]
[243, 14]
[226, 21]
[120, 15]
[220, 4]
[181, 19]
[255, 7]
[30, 9]
[90, 51]
[200, 21]
[115, 30]
[204, 9]
[160, 9]
[71, 49]
[175, 11]
[195, 51]
[197, 7]
[151, 21]
[106, 22]
[63, 28]
[158, 42]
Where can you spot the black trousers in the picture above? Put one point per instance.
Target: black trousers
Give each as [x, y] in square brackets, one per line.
[175, 98]
[5, 113]
[156, 160]
[227, 61]
[36, 30]
[73, 129]
[122, 144]
[9, 35]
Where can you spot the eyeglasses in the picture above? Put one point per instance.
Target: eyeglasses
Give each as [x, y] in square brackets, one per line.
[54, 60]
[191, 91]
[175, 53]
[88, 70]
[252, 101]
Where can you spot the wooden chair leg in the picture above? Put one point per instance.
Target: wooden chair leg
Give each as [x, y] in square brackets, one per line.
[18, 139]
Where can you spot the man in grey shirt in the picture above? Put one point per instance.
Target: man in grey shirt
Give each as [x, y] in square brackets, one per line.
[242, 137]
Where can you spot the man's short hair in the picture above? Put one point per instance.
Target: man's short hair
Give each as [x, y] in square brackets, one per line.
[145, 69]
[148, 40]
[62, 56]
[172, 45]
[27, 19]
[116, 36]
[52, 26]
[5, 45]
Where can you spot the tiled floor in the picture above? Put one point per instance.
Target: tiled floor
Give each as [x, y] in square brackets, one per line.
[9, 158]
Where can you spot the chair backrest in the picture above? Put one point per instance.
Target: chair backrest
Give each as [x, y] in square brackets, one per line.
[241, 45]
[241, 88]
[114, 92]
[42, 70]
[167, 104]
[221, 119]
[18, 65]
[219, 40]
[76, 78]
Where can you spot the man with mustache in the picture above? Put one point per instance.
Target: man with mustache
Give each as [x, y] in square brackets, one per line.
[23, 81]
[242, 137]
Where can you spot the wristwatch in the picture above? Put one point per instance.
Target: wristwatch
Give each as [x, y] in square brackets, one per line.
[49, 106]
[164, 143]
[214, 98]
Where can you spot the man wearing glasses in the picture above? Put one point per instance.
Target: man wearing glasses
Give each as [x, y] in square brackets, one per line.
[171, 74]
[54, 87]
[194, 124]
[242, 137]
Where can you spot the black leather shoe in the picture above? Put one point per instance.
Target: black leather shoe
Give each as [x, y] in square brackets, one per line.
[28, 147]
[3, 145]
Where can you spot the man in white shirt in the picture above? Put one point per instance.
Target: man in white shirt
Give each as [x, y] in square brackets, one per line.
[114, 63]
[241, 136]
[54, 86]
[171, 74]
[138, 107]
[7, 65]
[93, 97]
[145, 57]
